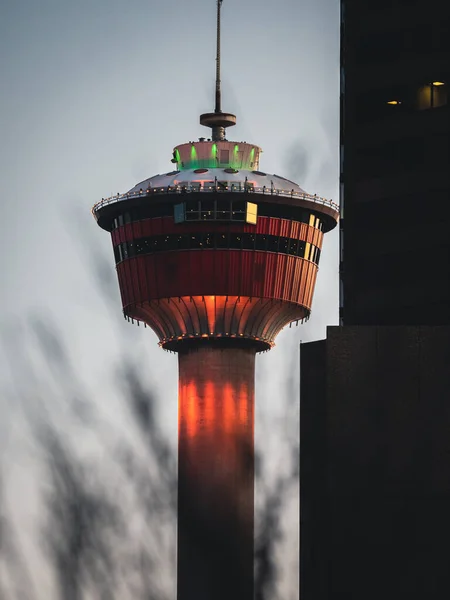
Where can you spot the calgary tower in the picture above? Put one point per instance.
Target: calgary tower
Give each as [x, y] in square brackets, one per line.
[216, 257]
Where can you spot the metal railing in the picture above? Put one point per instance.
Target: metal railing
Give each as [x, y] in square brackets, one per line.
[213, 188]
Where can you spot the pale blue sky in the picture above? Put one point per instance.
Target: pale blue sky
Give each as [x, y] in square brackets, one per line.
[95, 94]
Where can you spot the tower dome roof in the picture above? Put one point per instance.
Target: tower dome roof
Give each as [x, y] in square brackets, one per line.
[258, 180]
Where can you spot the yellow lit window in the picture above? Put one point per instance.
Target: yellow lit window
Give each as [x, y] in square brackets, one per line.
[307, 251]
[251, 213]
[432, 95]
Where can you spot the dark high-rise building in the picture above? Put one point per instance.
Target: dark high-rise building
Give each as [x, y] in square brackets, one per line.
[216, 257]
[395, 181]
[375, 410]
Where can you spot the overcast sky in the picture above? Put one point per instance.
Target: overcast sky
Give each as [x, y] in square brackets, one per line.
[95, 95]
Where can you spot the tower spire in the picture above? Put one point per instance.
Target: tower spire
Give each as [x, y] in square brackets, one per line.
[218, 120]
[218, 90]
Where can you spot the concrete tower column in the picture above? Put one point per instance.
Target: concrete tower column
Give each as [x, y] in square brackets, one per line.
[216, 473]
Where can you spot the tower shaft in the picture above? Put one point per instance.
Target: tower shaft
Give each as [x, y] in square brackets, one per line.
[216, 473]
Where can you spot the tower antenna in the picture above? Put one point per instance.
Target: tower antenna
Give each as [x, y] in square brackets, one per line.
[218, 120]
[218, 90]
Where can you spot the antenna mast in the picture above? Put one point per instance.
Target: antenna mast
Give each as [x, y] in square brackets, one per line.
[218, 90]
[218, 120]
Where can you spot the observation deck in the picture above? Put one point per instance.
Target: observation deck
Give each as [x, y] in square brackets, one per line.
[260, 187]
[216, 251]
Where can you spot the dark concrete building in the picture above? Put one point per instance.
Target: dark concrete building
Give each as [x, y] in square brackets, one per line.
[375, 395]
[375, 464]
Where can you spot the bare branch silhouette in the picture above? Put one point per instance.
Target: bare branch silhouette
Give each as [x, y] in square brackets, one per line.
[109, 525]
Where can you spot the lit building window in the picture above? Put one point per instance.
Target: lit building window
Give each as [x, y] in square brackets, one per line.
[432, 95]
[252, 213]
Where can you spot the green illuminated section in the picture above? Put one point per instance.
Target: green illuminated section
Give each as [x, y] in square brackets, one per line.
[213, 155]
[194, 159]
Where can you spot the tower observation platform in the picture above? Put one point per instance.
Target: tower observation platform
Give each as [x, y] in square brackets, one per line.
[216, 256]
[216, 249]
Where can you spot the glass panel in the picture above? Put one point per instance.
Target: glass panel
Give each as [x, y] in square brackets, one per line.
[284, 245]
[196, 241]
[179, 213]
[208, 240]
[223, 209]
[317, 258]
[272, 243]
[235, 241]
[192, 210]
[207, 210]
[222, 240]
[261, 242]
[248, 241]
[168, 242]
[293, 247]
[183, 242]
[238, 211]
[301, 248]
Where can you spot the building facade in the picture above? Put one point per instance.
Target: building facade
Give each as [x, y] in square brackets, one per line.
[395, 184]
[375, 417]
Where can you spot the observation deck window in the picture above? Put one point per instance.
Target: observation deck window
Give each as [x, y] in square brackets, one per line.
[216, 210]
[222, 240]
[207, 210]
[238, 210]
[223, 210]
[217, 240]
